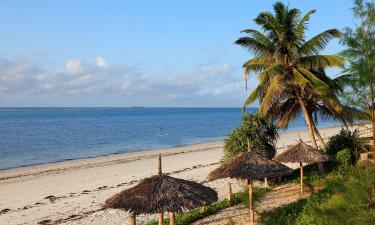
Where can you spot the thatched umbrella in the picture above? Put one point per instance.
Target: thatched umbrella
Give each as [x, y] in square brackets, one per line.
[162, 193]
[301, 153]
[250, 166]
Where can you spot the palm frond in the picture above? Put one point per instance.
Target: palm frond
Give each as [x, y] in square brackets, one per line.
[272, 95]
[257, 64]
[315, 81]
[253, 45]
[299, 80]
[258, 36]
[301, 27]
[252, 97]
[271, 71]
[319, 42]
[315, 62]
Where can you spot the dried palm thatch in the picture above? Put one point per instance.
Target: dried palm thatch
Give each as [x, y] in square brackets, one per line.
[302, 152]
[250, 165]
[162, 194]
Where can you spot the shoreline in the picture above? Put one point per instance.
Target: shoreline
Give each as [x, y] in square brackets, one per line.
[110, 154]
[104, 160]
[124, 153]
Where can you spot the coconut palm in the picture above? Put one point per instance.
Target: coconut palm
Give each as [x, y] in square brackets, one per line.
[326, 108]
[283, 60]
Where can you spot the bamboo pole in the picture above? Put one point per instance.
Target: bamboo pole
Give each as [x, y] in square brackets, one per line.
[131, 219]
[230, 192]
[301, 171]
[251, 211]
[161, 218]
[172, 218]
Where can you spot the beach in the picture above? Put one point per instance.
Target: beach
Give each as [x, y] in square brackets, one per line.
[72, 192]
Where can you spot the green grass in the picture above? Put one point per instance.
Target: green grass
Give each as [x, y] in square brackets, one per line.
[192, 216]
[347, 198]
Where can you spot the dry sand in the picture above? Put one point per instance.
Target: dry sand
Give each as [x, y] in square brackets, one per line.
[72, 192]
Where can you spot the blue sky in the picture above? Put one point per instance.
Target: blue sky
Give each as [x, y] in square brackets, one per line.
[126, 53]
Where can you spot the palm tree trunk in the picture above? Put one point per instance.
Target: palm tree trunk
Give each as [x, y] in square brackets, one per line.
[308, 122]
[320, 164]
[310, 128]
[321, 140]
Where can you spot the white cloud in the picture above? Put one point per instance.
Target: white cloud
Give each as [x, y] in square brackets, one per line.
[73, 66]
[101, 62]
[80, 78]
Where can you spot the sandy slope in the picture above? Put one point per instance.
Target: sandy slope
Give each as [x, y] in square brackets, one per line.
[72, 192]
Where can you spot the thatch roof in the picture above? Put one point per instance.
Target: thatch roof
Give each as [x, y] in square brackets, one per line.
[302, 152]
[250, 165]
[162, 194]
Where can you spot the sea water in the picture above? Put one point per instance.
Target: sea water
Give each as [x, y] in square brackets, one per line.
[30, 136]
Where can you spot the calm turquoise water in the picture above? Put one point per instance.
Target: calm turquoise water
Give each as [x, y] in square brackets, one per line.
[31, 136]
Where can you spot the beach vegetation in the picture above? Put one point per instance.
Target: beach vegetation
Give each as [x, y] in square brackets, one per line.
[288, 66]
[344, 158]
[349, 140]
[255, 133]
[347, 198]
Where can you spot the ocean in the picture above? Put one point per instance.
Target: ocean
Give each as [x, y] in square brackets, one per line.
[30, 136]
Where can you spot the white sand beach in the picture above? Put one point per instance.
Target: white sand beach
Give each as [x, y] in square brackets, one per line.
[73, 192]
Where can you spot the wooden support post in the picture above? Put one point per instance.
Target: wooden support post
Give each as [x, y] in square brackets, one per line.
[230, 192]
[131, 219]
[301, 171]
[172, 218]
[161, 218]
[251, 211]
[159, 166]
[266, 182]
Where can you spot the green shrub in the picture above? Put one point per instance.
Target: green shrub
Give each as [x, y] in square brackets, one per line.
[344, 158]
[346, 199]
[261, 134]
[346, 139]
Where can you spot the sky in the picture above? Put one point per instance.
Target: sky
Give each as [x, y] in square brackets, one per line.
[165, 53]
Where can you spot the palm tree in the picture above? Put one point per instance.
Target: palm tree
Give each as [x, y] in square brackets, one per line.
[327, 108]
[283, 60]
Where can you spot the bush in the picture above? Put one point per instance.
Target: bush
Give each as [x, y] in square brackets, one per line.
[261, 134]
[346, 199]
[346, 202]
[346, 139]
[344, 158]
